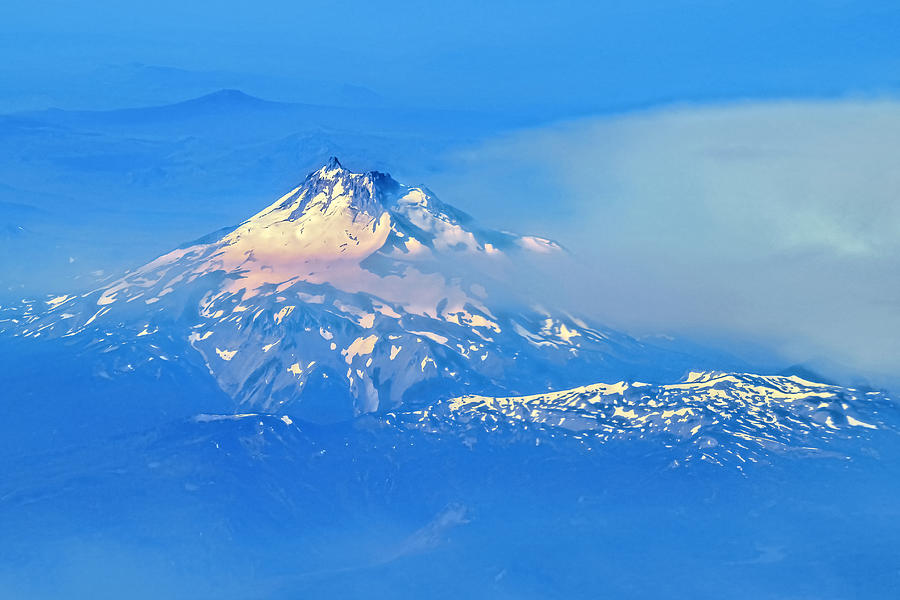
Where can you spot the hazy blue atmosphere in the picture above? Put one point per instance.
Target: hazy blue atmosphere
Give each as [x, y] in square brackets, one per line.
[531, 58]
[334, 396]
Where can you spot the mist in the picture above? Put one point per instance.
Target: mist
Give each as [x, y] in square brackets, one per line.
[758, 223]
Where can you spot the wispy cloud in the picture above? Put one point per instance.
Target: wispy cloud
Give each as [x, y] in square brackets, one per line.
[774, 221]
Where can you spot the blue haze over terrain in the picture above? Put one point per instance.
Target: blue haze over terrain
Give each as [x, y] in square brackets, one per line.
[721, 175]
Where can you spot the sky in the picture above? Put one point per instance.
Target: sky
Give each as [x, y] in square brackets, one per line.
[549, 60]
[720, 168]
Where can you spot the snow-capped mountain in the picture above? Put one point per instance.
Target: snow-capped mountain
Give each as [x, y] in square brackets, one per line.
[352, 293]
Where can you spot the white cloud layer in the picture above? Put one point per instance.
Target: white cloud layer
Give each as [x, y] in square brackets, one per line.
[776, 222]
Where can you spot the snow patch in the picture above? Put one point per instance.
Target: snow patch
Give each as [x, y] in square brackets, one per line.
[359, 347]
[226, 354]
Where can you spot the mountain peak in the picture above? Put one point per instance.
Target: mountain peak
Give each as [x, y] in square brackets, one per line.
[226, 99]
[353, 287]
[368, 192]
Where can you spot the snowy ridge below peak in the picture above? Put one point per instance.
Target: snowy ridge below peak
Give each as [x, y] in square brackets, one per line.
[712, 416]
[732, 420]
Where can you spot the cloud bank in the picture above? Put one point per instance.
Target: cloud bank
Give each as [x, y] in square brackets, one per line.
[773, 222]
